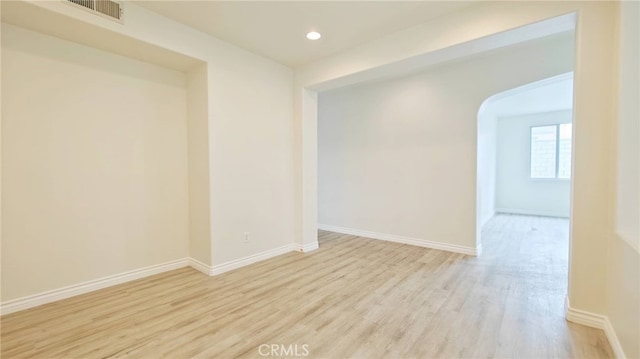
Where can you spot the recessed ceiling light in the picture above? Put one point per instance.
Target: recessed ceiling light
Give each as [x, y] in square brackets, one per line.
[313, 35]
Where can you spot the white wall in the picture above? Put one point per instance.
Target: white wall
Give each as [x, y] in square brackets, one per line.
[548, 95]
[247, 113]
[93, 161]
[486, 167]
[623, 271]
[592, 223]
[251, 157]
[516, 192]
[399, 156]
[478, 26]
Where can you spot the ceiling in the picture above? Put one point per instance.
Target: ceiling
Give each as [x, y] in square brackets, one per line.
[277, 29]
[548, 95]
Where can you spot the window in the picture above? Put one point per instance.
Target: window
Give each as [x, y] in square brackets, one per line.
[551, 151]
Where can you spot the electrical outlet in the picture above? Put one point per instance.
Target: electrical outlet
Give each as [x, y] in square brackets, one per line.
[246, 237]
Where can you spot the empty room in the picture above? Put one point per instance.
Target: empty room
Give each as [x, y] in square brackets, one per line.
[345, 179]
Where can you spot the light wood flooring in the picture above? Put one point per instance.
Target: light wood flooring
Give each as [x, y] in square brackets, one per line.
[352, 298]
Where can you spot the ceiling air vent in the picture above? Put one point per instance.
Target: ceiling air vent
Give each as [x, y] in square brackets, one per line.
[105, 8]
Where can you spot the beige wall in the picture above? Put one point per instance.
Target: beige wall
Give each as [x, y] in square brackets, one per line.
[628, 143]
[623, 272]
[94, 164]
[198, 145]
[239, 114]
[623, 295]
[398, 156]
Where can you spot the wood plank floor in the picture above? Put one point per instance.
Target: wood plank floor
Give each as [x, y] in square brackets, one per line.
[352, 298]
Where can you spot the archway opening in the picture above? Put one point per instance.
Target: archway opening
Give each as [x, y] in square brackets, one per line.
[524, 177]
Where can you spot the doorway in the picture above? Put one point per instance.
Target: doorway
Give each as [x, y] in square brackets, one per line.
[525, 140]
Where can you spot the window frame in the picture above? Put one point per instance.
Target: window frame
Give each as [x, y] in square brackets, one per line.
[557, 164]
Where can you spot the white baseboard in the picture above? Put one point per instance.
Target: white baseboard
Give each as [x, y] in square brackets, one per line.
[254, 258]
[528, 212]
[305, 247]
[583, 317]
[199, 266]
[401, 239]
[613, 340]
[596, 321]
[35, 300]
